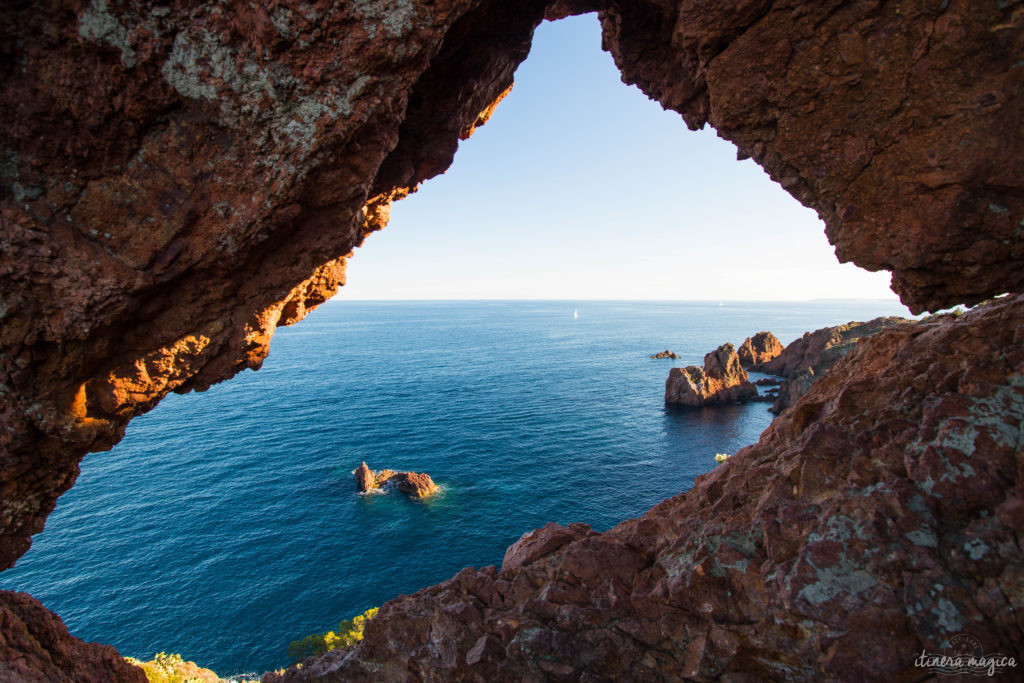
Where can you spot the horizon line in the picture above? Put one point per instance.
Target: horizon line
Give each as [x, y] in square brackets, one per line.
[339, 299]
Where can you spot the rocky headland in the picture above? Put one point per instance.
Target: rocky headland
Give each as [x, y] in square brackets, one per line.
[178, 180]
[721, 380]
[808, 358]
[414, 484]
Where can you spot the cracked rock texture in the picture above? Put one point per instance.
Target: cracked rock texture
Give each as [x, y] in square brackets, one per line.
[178, 179]
[874, 519]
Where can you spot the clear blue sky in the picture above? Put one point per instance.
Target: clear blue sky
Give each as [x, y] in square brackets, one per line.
[580, 187]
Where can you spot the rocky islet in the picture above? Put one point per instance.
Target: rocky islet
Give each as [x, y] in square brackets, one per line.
[416, 485]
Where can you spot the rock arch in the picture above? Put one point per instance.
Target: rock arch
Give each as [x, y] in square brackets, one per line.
[178, 180]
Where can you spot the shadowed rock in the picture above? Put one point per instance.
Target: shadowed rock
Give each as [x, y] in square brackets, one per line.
[36, 646]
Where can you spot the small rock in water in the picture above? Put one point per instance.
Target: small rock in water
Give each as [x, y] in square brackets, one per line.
[666, 354]
[413, 484]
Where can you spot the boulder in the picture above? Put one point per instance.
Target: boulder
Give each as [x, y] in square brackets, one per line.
[760, 348]
[721, 380]
[415, 484]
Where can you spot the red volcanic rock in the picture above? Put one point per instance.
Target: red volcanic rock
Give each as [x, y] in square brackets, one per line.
[819, 350]
[36, 646]
[178, 180]
[364, 477]
[665, 354]
[872, 521]
[381, 477]
[539, 543]
[721, 380]
[760, 348]
[413, 484]
[416, 484]
[811, 356]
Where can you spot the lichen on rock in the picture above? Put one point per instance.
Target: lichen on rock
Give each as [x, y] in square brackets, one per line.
[178, 180]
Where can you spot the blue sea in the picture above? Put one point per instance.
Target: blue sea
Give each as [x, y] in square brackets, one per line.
[227, 523]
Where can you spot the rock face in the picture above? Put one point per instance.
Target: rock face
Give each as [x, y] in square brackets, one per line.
[36, 646]
[760, 348]
[721, 380]
[364, 478]
[665, 354]
[177, 180]
[811, 356]
[413, 484]
[872, 521]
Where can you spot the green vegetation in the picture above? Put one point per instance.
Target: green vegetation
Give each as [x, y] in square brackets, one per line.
[349, 632]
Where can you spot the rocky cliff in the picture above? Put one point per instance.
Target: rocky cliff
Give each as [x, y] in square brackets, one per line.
[874, 519]
[721, 380]
[36, 646]
[177, 180]
[808, 358]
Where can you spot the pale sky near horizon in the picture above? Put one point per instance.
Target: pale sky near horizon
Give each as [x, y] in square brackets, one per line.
[580, 187]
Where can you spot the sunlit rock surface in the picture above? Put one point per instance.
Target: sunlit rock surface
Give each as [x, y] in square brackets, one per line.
[414, 484]
[760, 348]
[808, 358]
[721, 380]
[178, 180]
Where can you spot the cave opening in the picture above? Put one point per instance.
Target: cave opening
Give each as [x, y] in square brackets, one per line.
[650, 231]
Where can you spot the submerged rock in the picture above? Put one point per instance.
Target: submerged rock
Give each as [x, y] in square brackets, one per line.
[413, 484]
[721, 380]
[666, 354]
[760, 348]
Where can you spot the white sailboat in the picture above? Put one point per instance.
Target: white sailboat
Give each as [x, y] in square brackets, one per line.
[575, 313]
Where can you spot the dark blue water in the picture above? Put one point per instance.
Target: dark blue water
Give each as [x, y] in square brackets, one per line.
[227, 524]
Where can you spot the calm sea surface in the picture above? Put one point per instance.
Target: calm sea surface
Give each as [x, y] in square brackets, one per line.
[227, 523]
